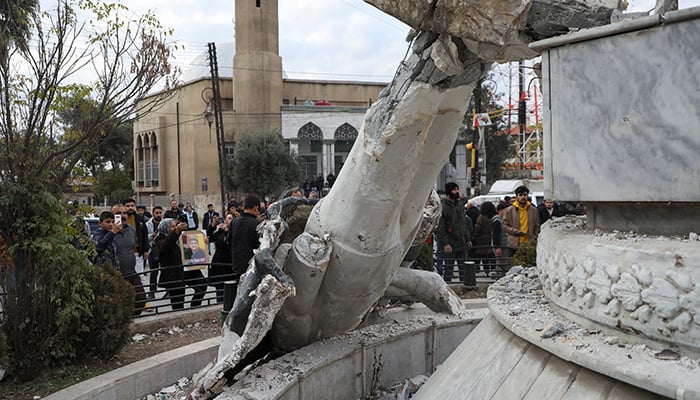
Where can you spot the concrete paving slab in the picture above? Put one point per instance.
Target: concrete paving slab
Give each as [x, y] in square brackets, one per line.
[511, 368]
[525, 372]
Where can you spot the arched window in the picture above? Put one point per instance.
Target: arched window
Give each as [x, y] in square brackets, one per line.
[152, 139]
[345, 132]
[154, 159]
[146, 153]
[345, 137]
[310, 131]
[140, 156]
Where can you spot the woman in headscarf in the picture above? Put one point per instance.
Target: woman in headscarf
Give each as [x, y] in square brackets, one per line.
[172, 275]
[483, 235]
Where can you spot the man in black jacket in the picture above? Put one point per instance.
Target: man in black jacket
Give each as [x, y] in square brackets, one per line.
[547, 210]
[174, 212]
[209, 216]
[453, 238]
[243, 236]
[142, 248]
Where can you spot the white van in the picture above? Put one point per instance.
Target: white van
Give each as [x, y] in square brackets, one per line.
[536, 198]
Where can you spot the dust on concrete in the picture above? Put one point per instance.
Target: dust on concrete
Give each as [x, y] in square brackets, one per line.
[517, 301]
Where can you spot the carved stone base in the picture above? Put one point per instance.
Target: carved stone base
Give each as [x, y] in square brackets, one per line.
[630, 282]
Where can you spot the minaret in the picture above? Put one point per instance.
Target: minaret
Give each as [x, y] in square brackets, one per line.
[257, 67]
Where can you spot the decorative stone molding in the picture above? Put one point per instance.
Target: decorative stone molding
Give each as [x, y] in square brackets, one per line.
[517, 302]
[623, 280]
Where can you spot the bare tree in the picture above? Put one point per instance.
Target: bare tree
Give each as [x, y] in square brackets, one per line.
[50, 63]
[124, 57]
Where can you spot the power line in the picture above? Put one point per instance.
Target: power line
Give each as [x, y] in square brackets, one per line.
[373, 16]
[292, 72]
[167, 126]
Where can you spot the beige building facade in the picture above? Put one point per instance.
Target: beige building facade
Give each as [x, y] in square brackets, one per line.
[175, 146]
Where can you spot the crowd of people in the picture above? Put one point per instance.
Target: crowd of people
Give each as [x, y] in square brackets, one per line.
[488, 234]
[150, 251]
[317, 187]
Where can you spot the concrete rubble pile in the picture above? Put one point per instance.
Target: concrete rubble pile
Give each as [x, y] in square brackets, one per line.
[357, 239]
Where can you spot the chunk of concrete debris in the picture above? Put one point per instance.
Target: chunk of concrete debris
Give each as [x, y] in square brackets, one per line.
[667, 354]
[138, 337]
[169, 389]
[551, 329]
[515, 309]
[611, 340]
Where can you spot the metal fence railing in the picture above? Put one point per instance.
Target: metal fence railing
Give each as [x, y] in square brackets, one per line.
[455, 270]
[199, 288]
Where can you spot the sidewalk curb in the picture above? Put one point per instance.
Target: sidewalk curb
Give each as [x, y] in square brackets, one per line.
[133, 380]
[137, 379]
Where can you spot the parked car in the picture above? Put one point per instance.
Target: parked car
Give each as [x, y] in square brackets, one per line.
[91, 224]
[493, 198]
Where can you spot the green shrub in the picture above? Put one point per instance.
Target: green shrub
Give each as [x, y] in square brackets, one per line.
[111, 310]
[425, 259]
[85, 313]
[59, 308]
[526, 255]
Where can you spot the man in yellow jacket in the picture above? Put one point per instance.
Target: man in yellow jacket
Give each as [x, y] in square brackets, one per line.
[521, 220]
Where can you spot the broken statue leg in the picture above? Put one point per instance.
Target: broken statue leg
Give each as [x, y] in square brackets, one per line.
[426, 287]
[306, 264]
[262, 291]
[404, 141]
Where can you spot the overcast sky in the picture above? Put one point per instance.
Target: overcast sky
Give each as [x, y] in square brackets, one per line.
[321, 39]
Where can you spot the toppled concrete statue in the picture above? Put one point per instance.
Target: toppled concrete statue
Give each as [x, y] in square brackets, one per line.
[359, 236]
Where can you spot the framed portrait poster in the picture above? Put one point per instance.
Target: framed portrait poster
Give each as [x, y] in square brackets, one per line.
[193, 250]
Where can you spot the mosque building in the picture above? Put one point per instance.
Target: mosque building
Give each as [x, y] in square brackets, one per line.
[175, 145]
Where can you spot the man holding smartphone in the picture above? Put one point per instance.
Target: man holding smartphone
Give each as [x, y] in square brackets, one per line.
[124, 243]
[208, 218]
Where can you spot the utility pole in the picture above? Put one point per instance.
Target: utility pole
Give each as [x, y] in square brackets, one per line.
[476, 139]
[218, 119]
[179, 171]
[510, 95]
[522, 111]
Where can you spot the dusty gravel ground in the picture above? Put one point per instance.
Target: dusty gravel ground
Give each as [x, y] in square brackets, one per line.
[146, 344]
